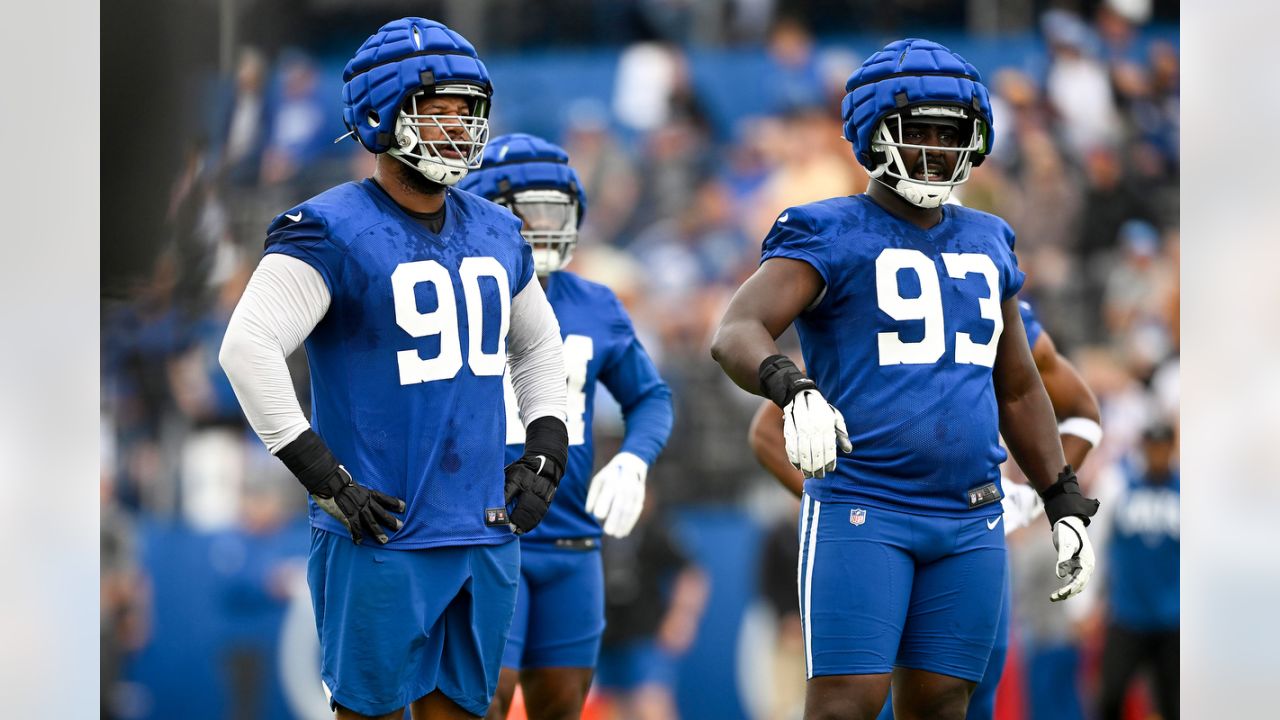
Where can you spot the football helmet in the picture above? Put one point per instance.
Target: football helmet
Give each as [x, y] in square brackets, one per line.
[402, 65]
[916, 81]
[532, 178]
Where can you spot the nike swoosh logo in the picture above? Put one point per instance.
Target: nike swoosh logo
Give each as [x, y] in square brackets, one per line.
[542, 462]
[295, 218]
[784, 217]
[991, 524]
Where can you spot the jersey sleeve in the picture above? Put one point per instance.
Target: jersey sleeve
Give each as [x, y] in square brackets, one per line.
[524, 266]
[633, 380]
[303, 234]
[1011, 276]
[795, 236]
[1030, 323]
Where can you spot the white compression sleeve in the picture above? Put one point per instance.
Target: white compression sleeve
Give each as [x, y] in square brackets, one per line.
[536, 355]
[284, 300]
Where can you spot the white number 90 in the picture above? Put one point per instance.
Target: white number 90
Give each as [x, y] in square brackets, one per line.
[443, 321]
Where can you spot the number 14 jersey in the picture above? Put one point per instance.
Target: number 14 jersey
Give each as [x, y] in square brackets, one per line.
[902, 341]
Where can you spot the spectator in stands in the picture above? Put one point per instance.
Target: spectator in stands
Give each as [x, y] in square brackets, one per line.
[296, 123]
[241, 120]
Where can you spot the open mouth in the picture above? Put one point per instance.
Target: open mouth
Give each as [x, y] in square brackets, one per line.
[929, 173]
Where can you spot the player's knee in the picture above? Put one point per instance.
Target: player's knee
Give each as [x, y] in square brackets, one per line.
[501, 703]
[842, 707]
[950, 702]
[561, 703]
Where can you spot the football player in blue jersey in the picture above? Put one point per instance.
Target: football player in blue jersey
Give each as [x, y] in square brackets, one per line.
[412, 298]
[901, 304]
[1079, 425]
[555, 638]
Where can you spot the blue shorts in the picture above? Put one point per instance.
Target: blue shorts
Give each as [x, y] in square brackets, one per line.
[634, 665]
[880, 588]
[559, 609]
[982, 703]
[397, 624]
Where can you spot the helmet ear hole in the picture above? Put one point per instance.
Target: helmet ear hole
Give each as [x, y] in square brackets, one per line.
[374, 120]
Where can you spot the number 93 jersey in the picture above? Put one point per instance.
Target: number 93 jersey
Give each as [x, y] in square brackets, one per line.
[407, 363]
[902, 341]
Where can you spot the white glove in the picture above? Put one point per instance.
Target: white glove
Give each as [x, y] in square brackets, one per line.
[1022, 504]
[813, 428]
[616, 496]
[1075, 556]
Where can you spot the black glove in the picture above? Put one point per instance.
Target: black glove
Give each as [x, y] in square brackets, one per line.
[1064, 499]
[361, 510]
[532, 480]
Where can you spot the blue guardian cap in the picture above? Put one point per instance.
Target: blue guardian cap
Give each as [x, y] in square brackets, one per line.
[403, 64]
[916, 81]
[532, 178]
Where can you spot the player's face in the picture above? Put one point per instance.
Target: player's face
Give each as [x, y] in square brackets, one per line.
[444, 128]
[930, 166]
[1158, 454]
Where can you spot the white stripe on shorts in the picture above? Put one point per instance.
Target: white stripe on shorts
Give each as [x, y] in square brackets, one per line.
[804, 528]
[807, 612]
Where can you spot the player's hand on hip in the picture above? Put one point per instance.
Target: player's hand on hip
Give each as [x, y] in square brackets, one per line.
[363, 511]
[531, 483]
[1075, 556]
[813, 430]
[616, 496]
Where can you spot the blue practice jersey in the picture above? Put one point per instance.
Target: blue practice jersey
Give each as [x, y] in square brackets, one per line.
[1144, 552]
[599, 345]
[407, 364]
[903, 341]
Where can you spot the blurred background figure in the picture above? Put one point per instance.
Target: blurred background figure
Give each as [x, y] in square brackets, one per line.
[1142, 579]
[654, 598]
[692, 125]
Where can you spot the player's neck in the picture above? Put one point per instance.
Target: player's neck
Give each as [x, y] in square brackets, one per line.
[896, 205]
[408, 192]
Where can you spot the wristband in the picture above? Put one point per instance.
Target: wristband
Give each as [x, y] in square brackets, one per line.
[549, 437]
[1084, 428]
[311, 461]
[781, 380]
[1064, 499]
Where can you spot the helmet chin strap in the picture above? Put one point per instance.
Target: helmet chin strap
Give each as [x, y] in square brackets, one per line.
[442, 171]
[918, 194]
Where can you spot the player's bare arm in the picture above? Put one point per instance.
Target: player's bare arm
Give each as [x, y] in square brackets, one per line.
[758, 313]
[1029, 429]
[767, 442]
[1027, 421]
[1073, 402]
[744, 346]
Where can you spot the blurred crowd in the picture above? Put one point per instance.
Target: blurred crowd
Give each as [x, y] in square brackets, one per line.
[1085, 168]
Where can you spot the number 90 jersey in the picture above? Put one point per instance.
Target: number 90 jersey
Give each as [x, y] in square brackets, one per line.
[902, 342]
[407, 364]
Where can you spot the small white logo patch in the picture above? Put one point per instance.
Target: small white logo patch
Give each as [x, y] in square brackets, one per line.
[857, 516]
[783, 218]
[991, 524]
[295, 218]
